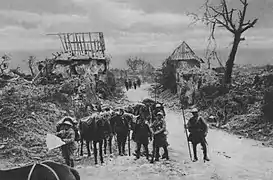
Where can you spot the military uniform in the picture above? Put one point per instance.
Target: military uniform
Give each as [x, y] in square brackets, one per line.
[160, 138]
[142, 133]
[126, 84]
[198, 130]
[68, 136]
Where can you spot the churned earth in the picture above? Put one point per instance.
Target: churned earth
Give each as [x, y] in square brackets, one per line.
[232, 157]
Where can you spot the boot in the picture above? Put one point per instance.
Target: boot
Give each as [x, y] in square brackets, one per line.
[166, 153]
[205, 152]
[206, 158]
[194, 153]
[195, 159]
[119, 150]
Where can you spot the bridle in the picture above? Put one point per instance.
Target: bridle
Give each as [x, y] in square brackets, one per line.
[44, 165]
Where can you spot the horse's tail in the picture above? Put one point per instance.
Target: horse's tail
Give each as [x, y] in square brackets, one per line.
[75, 173]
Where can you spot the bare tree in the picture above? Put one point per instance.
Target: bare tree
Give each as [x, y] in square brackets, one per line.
[224, 17]
[31, 63]
[132, 64]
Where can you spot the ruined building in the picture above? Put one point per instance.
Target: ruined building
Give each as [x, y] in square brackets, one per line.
[187, 65]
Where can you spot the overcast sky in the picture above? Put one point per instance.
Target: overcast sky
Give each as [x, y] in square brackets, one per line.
[128, 25]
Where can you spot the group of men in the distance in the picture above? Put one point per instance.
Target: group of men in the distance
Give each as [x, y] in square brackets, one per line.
[132, 83]
[145, 129]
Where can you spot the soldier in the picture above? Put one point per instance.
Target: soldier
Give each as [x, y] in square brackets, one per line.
[138, 82]
[130, 83]
[67, 134]
[160, 137]
[159, 108]
[121, 127]
[135, 84]
[142, 132]
[198, 131]
[126, 84]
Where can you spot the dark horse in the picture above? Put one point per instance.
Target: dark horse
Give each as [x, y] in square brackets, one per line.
[46, 170]
[93, 129]
[108, 132]
[143, 110]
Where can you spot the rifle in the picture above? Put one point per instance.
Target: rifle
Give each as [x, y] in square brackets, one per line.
[186, 132]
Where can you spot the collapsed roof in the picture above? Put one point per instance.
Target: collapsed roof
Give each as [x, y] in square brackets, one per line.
[184, 53]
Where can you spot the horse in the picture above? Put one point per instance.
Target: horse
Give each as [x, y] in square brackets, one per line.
[108, 138]
[92, 128]
[45, 170]
[142, 109]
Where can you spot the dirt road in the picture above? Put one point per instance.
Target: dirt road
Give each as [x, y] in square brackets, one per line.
[231, 157]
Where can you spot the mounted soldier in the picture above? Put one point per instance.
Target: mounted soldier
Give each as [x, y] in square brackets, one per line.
[66, 132]
[160, 137]
[198, 131]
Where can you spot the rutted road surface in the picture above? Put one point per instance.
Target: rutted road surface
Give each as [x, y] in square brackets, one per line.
[231, 157]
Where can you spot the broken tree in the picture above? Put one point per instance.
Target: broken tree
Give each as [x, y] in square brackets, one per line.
[221, 15]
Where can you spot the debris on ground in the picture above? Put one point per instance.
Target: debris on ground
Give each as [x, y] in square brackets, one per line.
[244, 108]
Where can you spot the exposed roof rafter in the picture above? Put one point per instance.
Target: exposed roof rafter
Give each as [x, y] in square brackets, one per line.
[184, 53]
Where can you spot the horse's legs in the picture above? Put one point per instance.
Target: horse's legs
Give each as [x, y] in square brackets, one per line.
[105, 144]
[88, 147]
[95, 151]
[153, 154]
[110, 143]
[91, 145]
[81, 147]
[100, 149]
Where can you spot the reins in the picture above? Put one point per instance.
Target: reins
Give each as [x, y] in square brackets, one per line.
[44, 165]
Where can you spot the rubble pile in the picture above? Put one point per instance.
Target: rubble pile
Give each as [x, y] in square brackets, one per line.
[25, 119]
[29, 111]
[244, 108]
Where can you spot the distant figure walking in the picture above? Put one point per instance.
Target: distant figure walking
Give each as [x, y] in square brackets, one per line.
[126, 84]
[138, 82]
[130, 84]
[135, 84]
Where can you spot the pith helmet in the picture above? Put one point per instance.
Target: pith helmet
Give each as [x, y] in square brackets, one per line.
[68, 123]
[194, 110]
[160, 114]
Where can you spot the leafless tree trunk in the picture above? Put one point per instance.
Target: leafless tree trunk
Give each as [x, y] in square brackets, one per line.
[222, 16]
